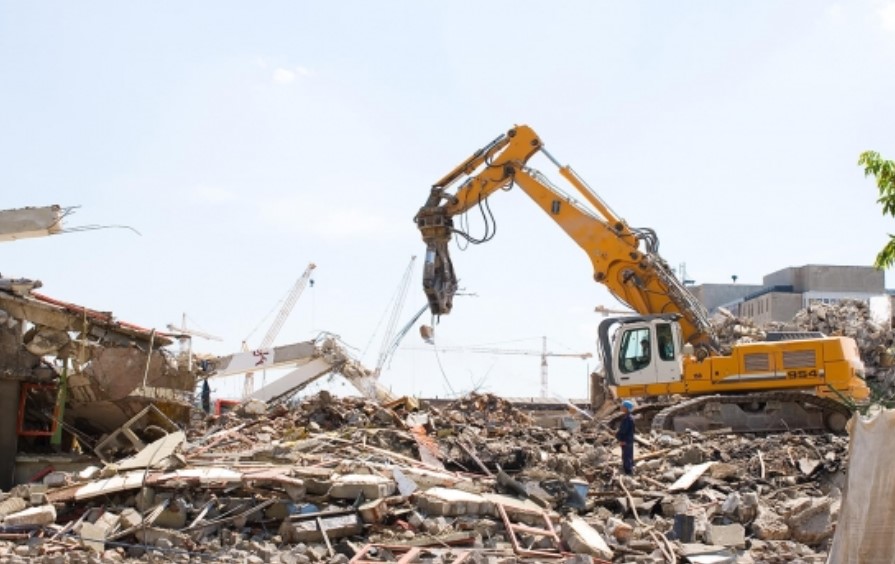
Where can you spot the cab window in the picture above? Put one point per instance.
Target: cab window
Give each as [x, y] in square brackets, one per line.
[635, 350]
[665, 340]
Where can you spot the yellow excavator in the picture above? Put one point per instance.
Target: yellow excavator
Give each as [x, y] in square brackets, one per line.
[669, 348]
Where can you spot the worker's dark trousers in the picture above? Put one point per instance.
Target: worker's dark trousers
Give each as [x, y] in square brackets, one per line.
[628, 458]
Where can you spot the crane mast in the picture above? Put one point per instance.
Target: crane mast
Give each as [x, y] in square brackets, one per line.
[278, 322]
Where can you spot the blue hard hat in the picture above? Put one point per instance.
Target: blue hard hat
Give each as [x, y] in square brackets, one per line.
[628, 404]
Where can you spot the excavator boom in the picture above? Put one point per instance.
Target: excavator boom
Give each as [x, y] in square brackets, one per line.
[624, 259]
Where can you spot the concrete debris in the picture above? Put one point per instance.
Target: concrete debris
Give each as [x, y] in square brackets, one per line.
[327, 479]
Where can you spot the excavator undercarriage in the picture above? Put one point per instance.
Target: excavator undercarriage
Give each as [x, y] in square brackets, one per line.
[755, 413]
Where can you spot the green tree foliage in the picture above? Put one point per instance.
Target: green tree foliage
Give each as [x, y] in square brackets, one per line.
[884, 172]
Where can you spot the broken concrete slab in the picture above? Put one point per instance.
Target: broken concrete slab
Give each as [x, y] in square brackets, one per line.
[130, 518]
[450, 502]
[425, 479]
[697, 553]
[733, 535]
[130, 481]
[12, 505]
[769, 526]
[312, 530]
[41, 515]
[370, 486]
[23, 223]
[584, 539]
[521, 510]
[174, 515]
[154, 453]
[209, 477]
[93, 536]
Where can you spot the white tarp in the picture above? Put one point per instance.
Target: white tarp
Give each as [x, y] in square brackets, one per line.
[865, 533]
[881, 310]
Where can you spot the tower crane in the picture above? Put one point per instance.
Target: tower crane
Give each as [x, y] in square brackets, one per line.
[184, 337]
[543, 353]
[288, 304]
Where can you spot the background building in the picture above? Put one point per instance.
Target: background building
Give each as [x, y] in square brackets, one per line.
[784, 292]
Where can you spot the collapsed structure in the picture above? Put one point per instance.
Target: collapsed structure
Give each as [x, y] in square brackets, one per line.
[329, 480]
[77, 380]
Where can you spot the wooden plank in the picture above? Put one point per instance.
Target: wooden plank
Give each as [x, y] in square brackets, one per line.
[690, 477]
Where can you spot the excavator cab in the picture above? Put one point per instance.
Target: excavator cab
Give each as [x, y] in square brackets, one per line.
[639, 351]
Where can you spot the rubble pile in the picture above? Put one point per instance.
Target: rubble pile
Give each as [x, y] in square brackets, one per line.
[732, 330]
[338, 480]
[851, 318]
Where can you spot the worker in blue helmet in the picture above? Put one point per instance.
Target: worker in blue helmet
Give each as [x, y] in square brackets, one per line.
[625, 437]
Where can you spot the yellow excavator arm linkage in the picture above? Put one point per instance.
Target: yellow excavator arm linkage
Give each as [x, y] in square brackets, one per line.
[624, 259]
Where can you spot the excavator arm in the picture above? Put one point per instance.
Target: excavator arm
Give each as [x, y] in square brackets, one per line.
[624, 259]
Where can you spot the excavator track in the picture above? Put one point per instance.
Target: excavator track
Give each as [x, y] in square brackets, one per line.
[644, 415]
[755, 413]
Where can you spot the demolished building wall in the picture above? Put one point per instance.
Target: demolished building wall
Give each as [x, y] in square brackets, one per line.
[59, 360]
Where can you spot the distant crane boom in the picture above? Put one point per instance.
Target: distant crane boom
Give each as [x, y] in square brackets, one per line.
[543, 353]
[248, 387]
[388, 336]
[185, 337]
[287, 308]
[603, 310]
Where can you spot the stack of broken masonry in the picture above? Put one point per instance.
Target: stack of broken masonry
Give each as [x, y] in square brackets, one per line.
[347, 480]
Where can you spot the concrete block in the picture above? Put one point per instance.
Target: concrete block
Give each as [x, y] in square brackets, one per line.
[174, 516]
[93, 536]
[450, 502]
[308, 532]
[12, 505]
[584, 539]
[425, 479]
[733, 535]
[317, 481]
[108, 520]
[813, 525]
[352, 485]
[373, 511]
[770, 526]
[56, 479]
[42, 515]
[130, 518]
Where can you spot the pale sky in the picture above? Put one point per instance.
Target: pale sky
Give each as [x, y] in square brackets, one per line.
[244, 140]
